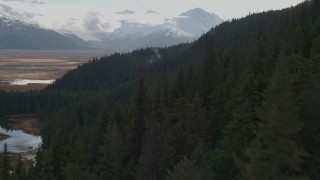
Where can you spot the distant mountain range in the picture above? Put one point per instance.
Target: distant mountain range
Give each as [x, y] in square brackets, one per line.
[186, 27]
[16, 32]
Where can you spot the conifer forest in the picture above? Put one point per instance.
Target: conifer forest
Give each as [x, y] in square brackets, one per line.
[241, 102]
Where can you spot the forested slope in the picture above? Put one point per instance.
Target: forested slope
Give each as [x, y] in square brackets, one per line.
[240, 103]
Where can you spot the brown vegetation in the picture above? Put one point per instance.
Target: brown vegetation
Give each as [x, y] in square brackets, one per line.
[39, 65]
[27, 123]
[3, 136]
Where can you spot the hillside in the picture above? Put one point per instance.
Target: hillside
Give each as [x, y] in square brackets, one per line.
[241, 102]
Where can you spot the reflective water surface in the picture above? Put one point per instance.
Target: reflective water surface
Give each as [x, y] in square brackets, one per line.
[19, 141]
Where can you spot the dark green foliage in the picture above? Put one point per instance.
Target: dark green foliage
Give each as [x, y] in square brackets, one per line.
[20, 172]
[140, 113]
[274, 153]
[154, 157]
[235, 138]
[185, 169]
[309, 99]
[240, 103]
[112, 152]
[4, 164]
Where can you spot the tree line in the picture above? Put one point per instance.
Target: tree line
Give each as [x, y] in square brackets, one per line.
[240, 103]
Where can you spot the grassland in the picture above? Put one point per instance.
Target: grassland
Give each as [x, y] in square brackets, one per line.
[39, 65]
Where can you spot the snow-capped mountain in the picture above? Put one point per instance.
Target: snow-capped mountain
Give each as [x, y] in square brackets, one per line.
[16, 34]
[10, 13]
[18, 30]
[195, 22]
[186, 27]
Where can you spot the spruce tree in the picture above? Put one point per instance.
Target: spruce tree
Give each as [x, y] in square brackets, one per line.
[184, 170]
[5, 164]
[274, 152]
[140, 116]
[154, 159]
[20, 170]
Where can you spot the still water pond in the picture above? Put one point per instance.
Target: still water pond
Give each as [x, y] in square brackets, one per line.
[19, 141]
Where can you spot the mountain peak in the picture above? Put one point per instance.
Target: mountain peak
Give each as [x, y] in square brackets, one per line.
[199, 13]
[16, 34]
[196, 12]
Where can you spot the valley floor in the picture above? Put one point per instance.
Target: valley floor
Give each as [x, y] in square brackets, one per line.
[29, 65]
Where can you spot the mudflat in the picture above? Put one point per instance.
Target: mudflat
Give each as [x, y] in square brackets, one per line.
[39, 65]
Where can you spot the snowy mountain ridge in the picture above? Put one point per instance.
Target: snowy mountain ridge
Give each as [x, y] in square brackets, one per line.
[16, 34]
[16, 25]
[186, 27]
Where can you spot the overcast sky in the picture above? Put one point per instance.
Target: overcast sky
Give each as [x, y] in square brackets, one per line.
[95, 15]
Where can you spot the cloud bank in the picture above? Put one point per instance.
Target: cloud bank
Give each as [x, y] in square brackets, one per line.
[92, 22]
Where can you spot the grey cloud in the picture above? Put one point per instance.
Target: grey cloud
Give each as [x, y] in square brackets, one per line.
[29, 15]
[13, 0]
[32, 2]
[37, 2]
[126, 12]
[106, 26]
[151, 12]
[92, 22]
[70, 22]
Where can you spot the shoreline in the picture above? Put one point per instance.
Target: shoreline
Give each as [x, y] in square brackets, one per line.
[3, 136]
[27, 123]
